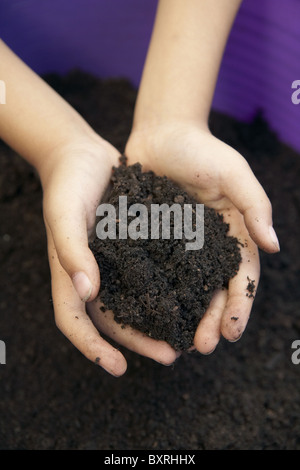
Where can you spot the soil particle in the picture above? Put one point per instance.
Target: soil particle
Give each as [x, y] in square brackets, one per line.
[157, 286]
[250, 287]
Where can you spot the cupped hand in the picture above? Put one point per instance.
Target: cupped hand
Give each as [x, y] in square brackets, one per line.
[219, 177]
[74, 179]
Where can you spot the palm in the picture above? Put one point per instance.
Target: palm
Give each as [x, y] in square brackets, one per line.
[79, 182]
[206, 168]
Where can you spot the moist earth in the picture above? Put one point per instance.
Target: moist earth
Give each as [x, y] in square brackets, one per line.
[244, 396]
[160, 286]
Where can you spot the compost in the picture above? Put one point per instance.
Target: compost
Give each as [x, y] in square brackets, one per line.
[158, 285]
[244, 396]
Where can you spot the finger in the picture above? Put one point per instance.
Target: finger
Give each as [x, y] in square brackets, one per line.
[132, 339]
[209, 330]
[68, 226]
[71, 318]
[241, 293]
[245, 192]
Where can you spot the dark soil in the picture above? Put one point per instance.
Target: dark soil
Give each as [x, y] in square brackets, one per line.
[158, 286]
[243, 396]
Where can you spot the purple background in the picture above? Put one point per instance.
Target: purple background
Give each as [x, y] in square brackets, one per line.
[109, 38]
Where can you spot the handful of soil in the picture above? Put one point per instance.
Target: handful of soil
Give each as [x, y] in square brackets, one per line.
[157, 286]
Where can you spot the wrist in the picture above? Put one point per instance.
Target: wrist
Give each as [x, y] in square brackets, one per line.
[78, 148]
[163, 121]
[157, 139]
[158, 106]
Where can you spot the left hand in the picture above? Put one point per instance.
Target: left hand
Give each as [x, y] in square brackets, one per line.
[220, 178]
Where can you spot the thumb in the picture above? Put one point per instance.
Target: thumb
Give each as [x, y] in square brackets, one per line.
[71, 244]
[243, 189]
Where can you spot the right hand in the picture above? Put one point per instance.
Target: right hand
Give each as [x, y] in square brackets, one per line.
[73, 183]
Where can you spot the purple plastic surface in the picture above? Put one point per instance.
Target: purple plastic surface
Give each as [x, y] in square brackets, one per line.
[261, 61]
[109, 38]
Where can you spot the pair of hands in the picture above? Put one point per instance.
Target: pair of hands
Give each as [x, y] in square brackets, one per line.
[209, 169]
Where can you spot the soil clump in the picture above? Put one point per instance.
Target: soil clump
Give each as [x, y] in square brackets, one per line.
[160, 286]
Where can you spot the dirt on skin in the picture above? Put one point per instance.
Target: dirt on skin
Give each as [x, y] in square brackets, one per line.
[160, 286]
[244, 396]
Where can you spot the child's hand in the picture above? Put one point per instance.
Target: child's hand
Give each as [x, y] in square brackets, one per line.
[73, 183]
[74, 164]
[221, 178]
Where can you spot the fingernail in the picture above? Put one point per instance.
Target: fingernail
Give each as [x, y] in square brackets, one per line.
[209, 352]
[234, 340]
[82, 285]
[274, 238]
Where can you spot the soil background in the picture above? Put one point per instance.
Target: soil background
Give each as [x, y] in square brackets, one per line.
[245, 396]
